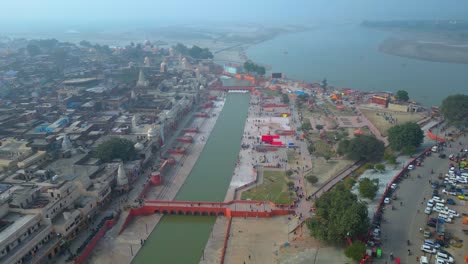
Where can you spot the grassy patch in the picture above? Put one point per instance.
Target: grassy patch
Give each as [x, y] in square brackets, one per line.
[322, 149]
[291, 156]
[268, 92]
[362, 169]
[273, 188]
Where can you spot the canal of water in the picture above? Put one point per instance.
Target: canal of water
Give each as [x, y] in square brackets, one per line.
[182, 239]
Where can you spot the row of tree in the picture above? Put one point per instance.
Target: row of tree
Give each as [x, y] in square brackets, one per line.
[195, 51]
[251, 67]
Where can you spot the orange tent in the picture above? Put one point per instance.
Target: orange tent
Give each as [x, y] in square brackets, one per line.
[465, 220]
[358, 132]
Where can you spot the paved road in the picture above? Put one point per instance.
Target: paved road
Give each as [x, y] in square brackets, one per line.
[403, 223]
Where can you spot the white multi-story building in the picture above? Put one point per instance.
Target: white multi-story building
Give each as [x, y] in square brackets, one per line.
[25, 238]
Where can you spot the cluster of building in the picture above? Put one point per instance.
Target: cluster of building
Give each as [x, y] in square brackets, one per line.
[56, 107]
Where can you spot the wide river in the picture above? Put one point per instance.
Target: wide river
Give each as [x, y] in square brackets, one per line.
[181, 239]
[348, 56]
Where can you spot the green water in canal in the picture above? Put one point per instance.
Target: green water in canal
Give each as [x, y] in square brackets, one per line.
[181, 239]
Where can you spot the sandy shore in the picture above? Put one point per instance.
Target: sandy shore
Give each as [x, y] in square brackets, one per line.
[430, 51]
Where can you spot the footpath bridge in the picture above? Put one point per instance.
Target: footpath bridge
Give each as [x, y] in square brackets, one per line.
[233, 88]
[236, 208]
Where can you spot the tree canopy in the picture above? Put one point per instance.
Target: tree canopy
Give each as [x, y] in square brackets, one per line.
[339, 214]
[362, 147]
[115, 148]
[407, 135]
[356, 250]
[285, 98]
[33, 49]
[368, 188]
[402, 95]
[251, 67]
[195, 51]
[455, 109]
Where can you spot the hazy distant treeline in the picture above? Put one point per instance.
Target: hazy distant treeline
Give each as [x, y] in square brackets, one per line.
[428, 25]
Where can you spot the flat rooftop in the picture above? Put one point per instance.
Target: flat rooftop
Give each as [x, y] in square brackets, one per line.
[12, 222]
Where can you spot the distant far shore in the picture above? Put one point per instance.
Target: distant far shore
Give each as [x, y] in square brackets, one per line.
[429, 51]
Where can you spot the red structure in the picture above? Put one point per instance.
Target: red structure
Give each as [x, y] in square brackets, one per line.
[156, 179]
[236, 208]
[90, 246]
[203, 115]
[273, 105]
[285, 132]
[179, 151]
[434, 137]
[186, 139]
[191, 130]
[208, 105]
[380, 100]
[212, 97]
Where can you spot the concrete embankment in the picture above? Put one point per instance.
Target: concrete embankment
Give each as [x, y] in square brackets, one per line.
[123, 248]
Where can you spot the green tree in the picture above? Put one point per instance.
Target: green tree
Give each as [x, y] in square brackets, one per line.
[251, 67]
[339, 214]
[364, 147]
[356, 250]
[349, 182]
[455, 109]
[312, 179]
[368, 188]
[379, 167]
[405, 135]
[343, 147]
[115, 148]
[319, 127]
[402, 95]
[285, 98]
[85, 43]
[290, 184]
[289, 173]
[306, 126]
[325, 84]
[33, 50]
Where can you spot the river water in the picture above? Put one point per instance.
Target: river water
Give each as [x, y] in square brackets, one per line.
[348, 56]
[181, 239]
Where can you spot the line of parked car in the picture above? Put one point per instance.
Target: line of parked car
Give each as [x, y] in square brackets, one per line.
[453, 185]
[441, 256]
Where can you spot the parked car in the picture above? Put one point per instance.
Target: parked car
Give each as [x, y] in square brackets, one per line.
[451, 201]
[428, 210]
[444, 257]
[430, 203]
[438, 199]
[393, 186]
[431, 243]
[386, 200]
[410, 167]
[428, 249]
[431, 224]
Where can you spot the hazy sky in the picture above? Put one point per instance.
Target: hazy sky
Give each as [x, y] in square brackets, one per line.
[83, 11]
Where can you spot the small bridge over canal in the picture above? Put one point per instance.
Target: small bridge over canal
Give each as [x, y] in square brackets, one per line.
[236, 208]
